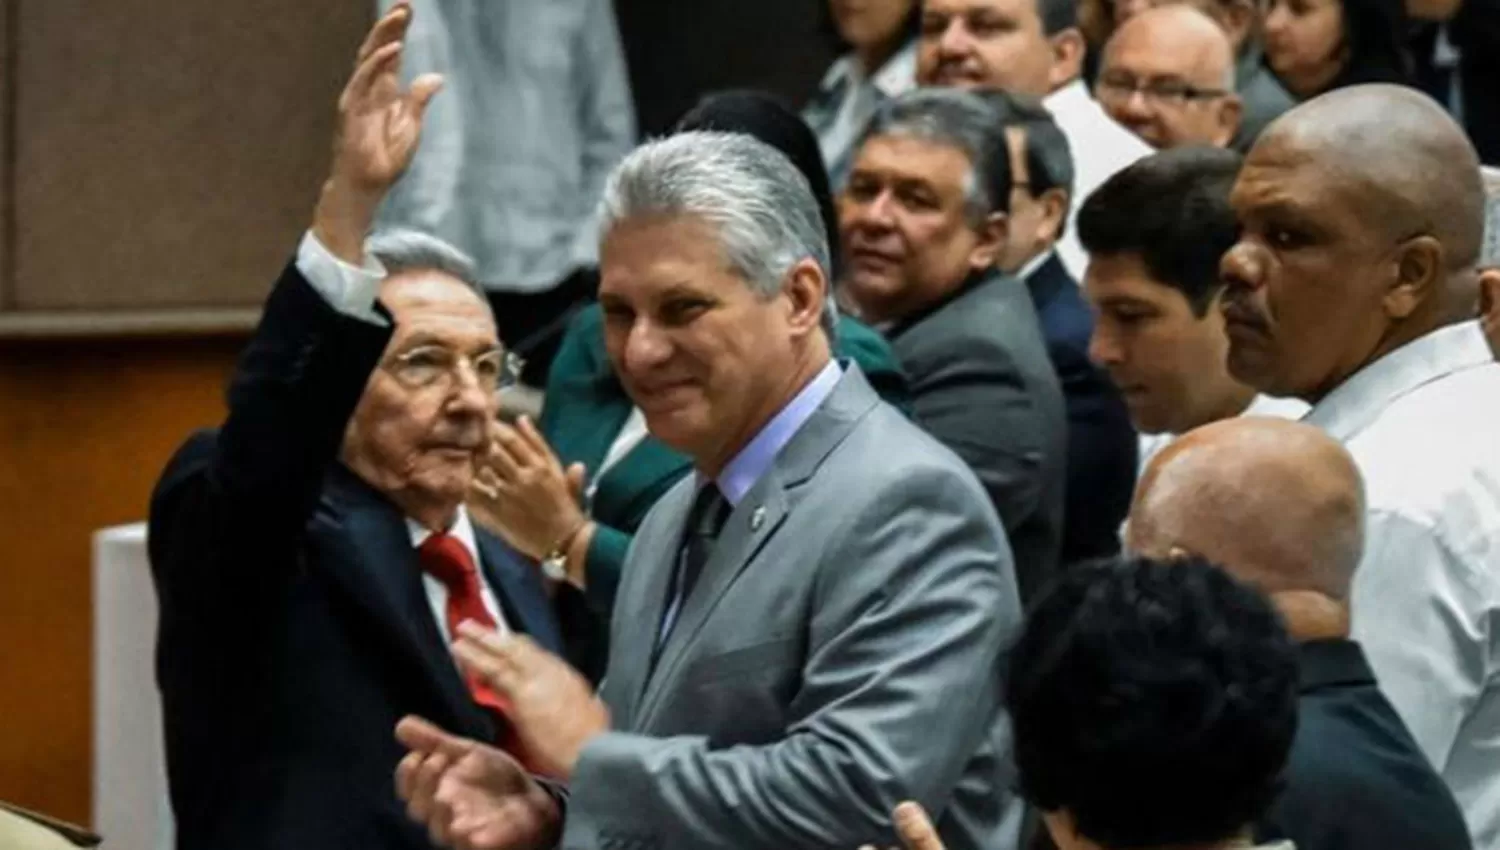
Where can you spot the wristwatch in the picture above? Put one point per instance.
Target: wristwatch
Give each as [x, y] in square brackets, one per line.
[555, 562]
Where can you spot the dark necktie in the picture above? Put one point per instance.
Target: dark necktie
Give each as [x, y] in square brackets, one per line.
[704, 520]
[446, 559]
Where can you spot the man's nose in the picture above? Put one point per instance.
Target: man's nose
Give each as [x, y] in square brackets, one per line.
[646, 346]
[1104, 349]
[1241, 268]
[955, 41]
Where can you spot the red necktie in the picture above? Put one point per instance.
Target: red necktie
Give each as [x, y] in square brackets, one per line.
[446, 559]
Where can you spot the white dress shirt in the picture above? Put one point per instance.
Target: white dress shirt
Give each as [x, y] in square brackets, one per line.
[846, 100]
[352, 291]
[1100, 148]
[1423, 423]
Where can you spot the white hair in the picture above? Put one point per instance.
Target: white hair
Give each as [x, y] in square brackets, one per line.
[757, 200]
[412, 250]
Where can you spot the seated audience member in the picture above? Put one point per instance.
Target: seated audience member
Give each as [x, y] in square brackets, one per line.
[880, 62]
[312, 556]
[516, 153]
[589, 421]
[1489, 262]
[1281, 505]
[1262, 98]
[1168, 76]
[1315, 46]
[814, 625]
[1155, 234]
[1153, 704]
[1101, 448]
[923, 224]
[1031, 47]
[1352, 288]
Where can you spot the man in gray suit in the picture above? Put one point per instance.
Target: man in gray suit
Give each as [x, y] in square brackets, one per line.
[811, 628]
[924, 222]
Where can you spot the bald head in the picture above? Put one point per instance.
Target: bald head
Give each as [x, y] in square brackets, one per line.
[1407, 158]
[1280, 504]
[1165, 48]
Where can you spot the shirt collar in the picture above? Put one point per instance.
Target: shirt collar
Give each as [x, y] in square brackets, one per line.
[1355, 403]
[896, 77]
[462, 528]
[1035, 263]
[1332, 663]
[1070, 98]
[755, 459]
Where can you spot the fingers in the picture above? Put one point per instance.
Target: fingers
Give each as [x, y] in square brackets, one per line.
[915, 828]
[535, 440]
[422, 785]
[385, 59]
[577, 478]
[422, 90]
[423, 738]
[493, 667]
[391, 27]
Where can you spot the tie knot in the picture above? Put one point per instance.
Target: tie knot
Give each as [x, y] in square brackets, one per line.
[446, 559]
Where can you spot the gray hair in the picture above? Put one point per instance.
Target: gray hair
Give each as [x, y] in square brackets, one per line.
[961, 120]
[412, 250]
[1489, 254]
[761, 205]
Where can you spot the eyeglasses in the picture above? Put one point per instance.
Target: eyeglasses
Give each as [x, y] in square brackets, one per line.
[433, 365]
[1172, 92]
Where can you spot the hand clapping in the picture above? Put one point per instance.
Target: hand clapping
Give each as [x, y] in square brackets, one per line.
[524, 494]
[914, 828]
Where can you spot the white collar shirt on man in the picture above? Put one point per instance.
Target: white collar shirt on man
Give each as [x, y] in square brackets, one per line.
[847, 100]
[1422, 423]
[1261, 405]
[1100, 148]
[437, 592]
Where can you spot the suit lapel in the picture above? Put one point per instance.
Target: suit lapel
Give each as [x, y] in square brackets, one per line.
[754, 521]
[519, 591]
[378, 568]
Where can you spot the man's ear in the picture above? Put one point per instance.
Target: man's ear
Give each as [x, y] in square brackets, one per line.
[1068, 49]
[1419, 263]
[1055, 203]
[994, 235]
[806, 289]
[1231, 112]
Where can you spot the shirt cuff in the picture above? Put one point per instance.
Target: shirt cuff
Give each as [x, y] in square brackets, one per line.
[349, 290]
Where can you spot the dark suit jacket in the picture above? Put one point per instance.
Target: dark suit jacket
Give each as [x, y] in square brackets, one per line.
[1102, 444]
[1355, 779]
[586, 407]
[295, 630]
[982, 384]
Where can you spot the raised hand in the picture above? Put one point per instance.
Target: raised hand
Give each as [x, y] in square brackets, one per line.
[469, 795]
[376, 136]
[914, 828]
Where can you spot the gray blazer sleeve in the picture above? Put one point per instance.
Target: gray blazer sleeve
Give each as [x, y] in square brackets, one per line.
[912, 611]
[979, 407]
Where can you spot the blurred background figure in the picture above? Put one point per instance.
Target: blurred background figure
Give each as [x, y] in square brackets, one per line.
[587, 418]
[879, 63]
[1167, 669]
[1155, 235]
[1168, 75]
[536, 111]
[1101, 441]
[1281, 506]
[923, 223]
[1262, 97]
[1314, 46]
[1031, 47]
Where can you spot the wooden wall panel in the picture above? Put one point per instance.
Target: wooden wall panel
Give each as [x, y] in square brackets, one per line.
[84, 430]
[170, 150]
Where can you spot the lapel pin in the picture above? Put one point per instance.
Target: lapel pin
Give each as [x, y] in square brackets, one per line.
[758, 518]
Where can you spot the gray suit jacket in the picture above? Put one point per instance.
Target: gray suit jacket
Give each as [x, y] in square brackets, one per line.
[843, 650]
[983, 385]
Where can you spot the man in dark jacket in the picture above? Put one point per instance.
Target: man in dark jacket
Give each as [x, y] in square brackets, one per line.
[311, 556]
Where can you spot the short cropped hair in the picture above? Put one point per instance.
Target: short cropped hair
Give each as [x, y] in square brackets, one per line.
[1172, 210]
[1057, 15]
[759, 202]
[403, 250]
[961, 120]
[1049, 159]
[1153, 701]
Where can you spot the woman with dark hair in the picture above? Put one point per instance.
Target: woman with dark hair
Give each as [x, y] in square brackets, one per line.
[879, 63]
[1314, 46]
[590, 426]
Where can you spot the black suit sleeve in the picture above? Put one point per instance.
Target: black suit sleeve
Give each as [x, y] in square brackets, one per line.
[230, 511]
